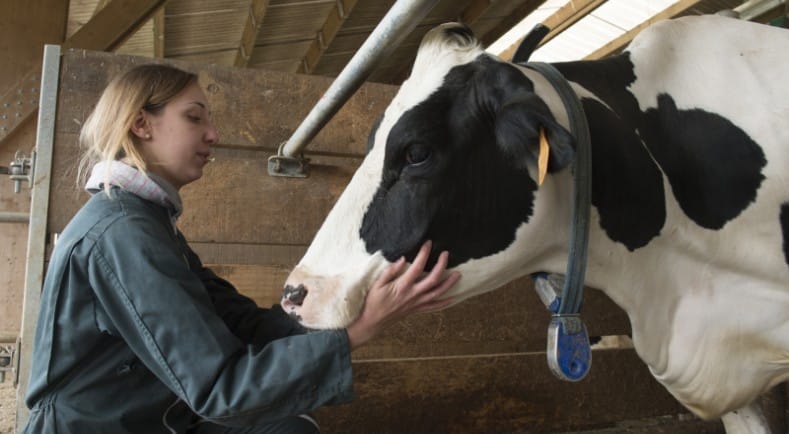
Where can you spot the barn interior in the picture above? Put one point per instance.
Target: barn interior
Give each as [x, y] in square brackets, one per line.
[265, 65]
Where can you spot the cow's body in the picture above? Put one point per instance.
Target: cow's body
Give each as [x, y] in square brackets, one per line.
[690, 195]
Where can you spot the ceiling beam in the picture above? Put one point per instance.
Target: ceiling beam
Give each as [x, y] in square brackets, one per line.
[323, 39]
[257, 12]
[106, 30]
[558, 22]
[113, 24]
[613, 47]
[508, 22]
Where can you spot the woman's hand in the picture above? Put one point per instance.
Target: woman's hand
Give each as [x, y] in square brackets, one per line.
[395, 295]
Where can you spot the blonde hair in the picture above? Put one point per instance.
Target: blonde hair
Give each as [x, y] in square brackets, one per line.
[106, 134]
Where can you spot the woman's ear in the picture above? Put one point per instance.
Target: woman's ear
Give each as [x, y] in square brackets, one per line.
[518, 125]
[140, 126]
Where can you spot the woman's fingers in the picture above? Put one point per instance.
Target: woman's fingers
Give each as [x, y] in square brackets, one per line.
[416, 268]
[390, 273]
[436, 274]
[438, 290]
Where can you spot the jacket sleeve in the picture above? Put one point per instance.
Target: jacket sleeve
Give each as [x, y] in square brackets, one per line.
[162, 310]
[248, 321]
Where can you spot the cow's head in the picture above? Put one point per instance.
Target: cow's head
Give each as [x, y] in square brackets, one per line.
[453, 160]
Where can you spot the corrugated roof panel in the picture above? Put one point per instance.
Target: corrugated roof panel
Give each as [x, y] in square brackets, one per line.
[187, 7]
[192, 33]
[609, 21]
[293, 22]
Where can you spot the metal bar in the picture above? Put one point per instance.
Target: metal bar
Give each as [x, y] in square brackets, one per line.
[401, 19]
[37, 229]
[753, 8]
[14, 217]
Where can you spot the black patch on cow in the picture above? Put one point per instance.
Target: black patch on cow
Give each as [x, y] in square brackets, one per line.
[714, 167]
[467, 196]
[785, 229]
[462, 32]
[627, 186]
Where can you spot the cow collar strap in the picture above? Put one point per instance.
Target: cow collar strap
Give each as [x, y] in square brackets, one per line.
[569, 353]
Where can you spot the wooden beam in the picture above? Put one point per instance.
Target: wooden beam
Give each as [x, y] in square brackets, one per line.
[323, 39]
[158, 33]
[113, 24]
[474, 11]
[257, 12]
[105, 31]
[508, 22]
[619, 43]
[99, 6]
[559, 21]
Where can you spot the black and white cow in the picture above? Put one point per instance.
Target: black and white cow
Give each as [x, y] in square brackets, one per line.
[690, 196]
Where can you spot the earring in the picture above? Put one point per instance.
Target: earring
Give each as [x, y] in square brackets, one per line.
[147, 136]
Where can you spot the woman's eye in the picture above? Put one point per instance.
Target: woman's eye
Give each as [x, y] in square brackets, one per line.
[195, 119]
[417, 154]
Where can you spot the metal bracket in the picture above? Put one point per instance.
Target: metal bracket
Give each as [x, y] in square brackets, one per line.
[21, 169]
[8, 359]
[290, 167]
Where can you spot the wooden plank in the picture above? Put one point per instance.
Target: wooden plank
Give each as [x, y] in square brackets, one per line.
[240, 254]
[619, 43]
[256, 109]
[496, 394]
[320, 44]
[257, 13]
[236, 201]
[558, 22]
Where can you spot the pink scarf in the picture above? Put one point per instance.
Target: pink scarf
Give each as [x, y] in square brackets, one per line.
[149, 187]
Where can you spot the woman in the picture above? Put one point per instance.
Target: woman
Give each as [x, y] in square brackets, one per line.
[135, 336]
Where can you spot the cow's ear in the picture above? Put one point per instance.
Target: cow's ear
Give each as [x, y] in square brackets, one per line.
[518, 124]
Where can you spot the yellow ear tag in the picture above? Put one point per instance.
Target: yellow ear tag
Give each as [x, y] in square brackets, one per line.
[542, 160]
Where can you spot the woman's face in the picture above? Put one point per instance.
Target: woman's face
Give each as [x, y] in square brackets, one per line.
[181, 136]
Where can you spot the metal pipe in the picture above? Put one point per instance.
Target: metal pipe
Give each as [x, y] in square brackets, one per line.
[401, 19]
[14, 217]
[37, 228]
[753, 8]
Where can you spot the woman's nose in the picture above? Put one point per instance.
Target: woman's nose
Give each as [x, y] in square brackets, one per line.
[212, 136]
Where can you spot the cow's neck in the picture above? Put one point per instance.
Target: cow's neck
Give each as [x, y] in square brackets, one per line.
[610, 267]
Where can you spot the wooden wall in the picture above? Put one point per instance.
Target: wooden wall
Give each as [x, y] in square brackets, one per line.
[477, 367]
[25, 26]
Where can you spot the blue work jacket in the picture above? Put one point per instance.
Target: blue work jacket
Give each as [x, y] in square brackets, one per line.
[134, 335]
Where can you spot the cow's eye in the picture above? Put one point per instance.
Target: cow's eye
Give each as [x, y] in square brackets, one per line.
[417, 154]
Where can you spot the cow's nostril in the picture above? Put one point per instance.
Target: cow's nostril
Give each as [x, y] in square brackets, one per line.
[295, 294]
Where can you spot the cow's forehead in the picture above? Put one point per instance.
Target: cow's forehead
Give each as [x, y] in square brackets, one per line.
[437, 55]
